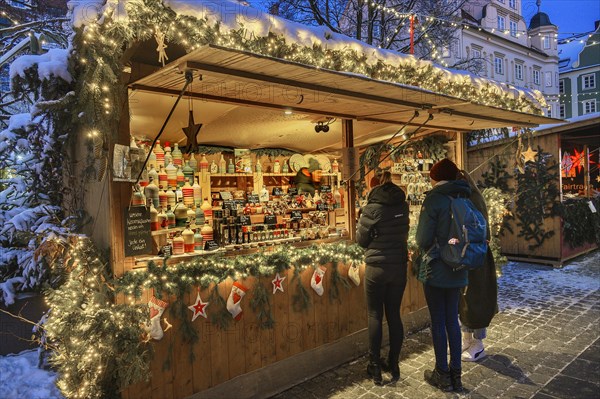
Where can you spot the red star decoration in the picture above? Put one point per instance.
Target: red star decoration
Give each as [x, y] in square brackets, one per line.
[277, 283]
[199, 308]
[578, 160]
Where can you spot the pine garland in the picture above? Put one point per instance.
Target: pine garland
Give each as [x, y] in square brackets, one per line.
[336, 280]
[261, 305]
[580, 225]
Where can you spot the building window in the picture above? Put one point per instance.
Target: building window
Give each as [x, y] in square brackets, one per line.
[499, 65]
[512, 4]
[561, 111]
[513, 28]
[588, 81]
[589, 106]
[546, 42]
[519, 71]
[561, 86]
[476, 53]
[501, 23]
[548, 79]
[536, 77]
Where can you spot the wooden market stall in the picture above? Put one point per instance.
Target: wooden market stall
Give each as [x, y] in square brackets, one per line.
[576, 181]
[251, 101]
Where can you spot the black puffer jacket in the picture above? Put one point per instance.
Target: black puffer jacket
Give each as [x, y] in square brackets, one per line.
[383, 227]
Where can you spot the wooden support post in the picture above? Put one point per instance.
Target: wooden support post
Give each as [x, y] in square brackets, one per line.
[350, 196]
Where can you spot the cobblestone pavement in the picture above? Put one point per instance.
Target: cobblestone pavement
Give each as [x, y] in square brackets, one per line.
[543, 344]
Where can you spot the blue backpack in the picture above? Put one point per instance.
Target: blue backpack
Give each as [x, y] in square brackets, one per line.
[466, 247]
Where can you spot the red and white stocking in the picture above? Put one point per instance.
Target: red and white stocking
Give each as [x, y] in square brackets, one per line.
[157, 308]
[354, 274]
[316, 282]
[235, 298]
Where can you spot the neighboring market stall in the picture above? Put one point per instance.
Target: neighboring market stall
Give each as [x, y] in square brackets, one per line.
[258, 283]
[560, 174]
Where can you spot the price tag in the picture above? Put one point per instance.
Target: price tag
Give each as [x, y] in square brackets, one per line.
[211, 245]
[293, 191]
[321, 207]
[245, 220]
[253, 199]
[591, 205]
[229, 204]
[325, 188]
[239, 202]
[225, 195]
[270, 219]
[277, 191]
[296, 215]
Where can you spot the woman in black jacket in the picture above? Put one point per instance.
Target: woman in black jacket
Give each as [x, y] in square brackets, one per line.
[383, 231]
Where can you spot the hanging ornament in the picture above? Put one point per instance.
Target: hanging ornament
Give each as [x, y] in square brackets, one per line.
[277, 283]
[234, 306]
[316, 281]
[198, 308]
[529, 155]
[157, 308]
[191, 132]
[160, 40]
[519, 164]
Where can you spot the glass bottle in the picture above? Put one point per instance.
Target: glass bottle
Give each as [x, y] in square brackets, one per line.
[159, 152]
[188, 172]
[154, 223]
[168, 158]
[188, 194]
[163, 223]
[335, 166]
[178, 245]
[198, 240]
[151, 192]
[188, 239]
[163, 200]
[180, 177]
[170, 218]
[177, 156]
[171, 198]
[222, 165]
[197, 193]
[203, 164]
[230, 166]
[206, 231]
[276, 167]
[180, 214]
[171, 175]
[199, 216]
[193, 163]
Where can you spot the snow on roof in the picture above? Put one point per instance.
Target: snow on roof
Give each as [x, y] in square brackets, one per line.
[569, 53]
[575, 119]
[231, 15]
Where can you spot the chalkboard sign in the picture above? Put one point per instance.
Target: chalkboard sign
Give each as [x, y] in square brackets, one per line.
[245, 220]
[211, 245]
[321, 207]
[229, 204]
[270, 219]
[296, 215]
[138, 239]
[239, 202]
[253, 199]
[293, 191]
[325, 188]
[277, 191]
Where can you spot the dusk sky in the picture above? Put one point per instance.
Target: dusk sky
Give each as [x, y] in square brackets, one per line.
[571, 16]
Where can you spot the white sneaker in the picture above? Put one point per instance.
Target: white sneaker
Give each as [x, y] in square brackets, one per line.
[474, 352]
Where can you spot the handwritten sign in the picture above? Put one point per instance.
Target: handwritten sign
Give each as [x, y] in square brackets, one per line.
[270, 219]
[229, 204]
[138, 239]
[296, 215]
[293, 191]
[225, 195]
[277, 191]
[211, 245]
[325, 188]
[253, 199]
[245, 220]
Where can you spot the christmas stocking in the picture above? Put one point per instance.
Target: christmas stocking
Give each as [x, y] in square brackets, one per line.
[157, 308]
[316, 282]
[235, 298]
[353, 274]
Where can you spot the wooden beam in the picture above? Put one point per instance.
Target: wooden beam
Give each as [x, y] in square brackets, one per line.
[350, 195]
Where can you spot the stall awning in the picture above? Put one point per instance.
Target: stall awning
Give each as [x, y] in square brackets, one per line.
[243, 78]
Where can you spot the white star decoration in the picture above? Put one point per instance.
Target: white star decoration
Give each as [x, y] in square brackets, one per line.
[277, 283]
[199, 308]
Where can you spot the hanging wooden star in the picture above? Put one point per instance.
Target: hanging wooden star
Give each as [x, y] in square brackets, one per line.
[191, 132]
[598, 178]
[160, 40]
[277, 283]
[529, 155]
[199, 308]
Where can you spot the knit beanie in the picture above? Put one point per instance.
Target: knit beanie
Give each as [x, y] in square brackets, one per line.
[443, 170]
[374, 182]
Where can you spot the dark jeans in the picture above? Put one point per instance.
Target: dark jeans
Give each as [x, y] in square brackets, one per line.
[384, 289]
[445, 329]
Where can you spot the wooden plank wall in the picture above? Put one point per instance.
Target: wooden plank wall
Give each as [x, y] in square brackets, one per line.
[221, 355]
[511, 243]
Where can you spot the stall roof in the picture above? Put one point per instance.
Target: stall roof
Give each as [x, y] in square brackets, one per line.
[239, 78]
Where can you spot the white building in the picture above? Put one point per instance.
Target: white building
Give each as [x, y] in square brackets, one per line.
[497, 38]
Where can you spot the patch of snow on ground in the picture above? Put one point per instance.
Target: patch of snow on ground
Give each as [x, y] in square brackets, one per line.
[20, 378]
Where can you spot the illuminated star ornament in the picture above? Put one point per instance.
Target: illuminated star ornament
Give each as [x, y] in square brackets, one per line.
[277, 283]
[578, 160]
[529, 155]
[199, 308]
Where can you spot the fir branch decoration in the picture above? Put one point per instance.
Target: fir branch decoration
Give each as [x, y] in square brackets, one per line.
[496, 174]
[261, 305]
[537, 199]
[336, 280]
[580, 225]
[219, 316]
[301, 298]
[272, 152]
